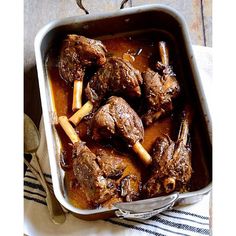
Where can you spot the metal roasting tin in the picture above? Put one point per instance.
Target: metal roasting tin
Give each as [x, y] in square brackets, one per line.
[155, 17]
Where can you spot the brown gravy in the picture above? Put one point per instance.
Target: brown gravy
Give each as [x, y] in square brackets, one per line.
[146, 46]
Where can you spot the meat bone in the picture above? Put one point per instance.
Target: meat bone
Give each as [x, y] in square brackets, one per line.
[164, 53]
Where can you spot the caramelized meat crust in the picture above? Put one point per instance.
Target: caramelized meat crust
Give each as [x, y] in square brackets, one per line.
[77, 53]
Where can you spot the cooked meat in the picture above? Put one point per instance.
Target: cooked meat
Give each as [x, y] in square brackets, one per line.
[117, 118]
[77, 53]
[90, 177]
[111, 163]
[160, 89]
[171, 166]
[129, 188]
[116, 77]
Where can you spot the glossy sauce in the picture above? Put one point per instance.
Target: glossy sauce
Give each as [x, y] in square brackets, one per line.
[145, 45]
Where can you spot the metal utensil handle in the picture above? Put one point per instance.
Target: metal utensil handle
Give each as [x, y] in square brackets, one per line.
[36, 174]
[56, 212]
[81, 6]
[40, 171]
[141, 215]
[122, 213]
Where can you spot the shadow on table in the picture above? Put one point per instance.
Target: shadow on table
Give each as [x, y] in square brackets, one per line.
[32, 103]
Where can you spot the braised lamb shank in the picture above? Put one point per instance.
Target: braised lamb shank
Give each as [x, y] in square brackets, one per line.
[116, 77]
[171, 166]
[91, 179]
[117, 118]
[160, 88]
[77, 53]
[97, 173]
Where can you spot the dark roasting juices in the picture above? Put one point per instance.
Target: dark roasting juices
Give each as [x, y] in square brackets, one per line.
[142, 52]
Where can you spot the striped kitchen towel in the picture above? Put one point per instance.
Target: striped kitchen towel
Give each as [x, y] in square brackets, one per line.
[188, 220]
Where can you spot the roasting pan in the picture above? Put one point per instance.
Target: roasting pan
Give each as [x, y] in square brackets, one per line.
[141, 18]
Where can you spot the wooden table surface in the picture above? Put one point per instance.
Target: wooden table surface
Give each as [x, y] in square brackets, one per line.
[198, 15]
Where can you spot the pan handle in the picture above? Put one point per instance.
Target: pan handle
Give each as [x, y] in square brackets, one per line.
[145, 209]
[81, 6]
[122, 5]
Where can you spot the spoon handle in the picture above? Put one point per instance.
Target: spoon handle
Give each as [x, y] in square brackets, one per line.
[56, 212]
[35, 172]
[40, 171]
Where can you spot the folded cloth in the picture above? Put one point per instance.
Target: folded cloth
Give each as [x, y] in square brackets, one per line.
[185, 220]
